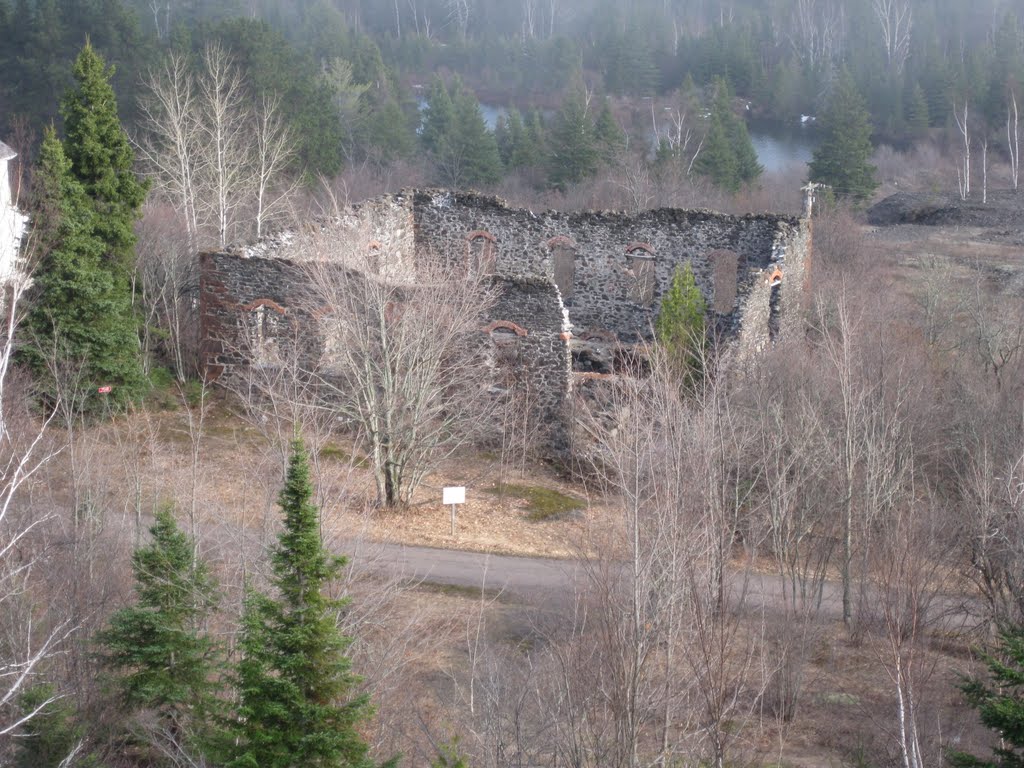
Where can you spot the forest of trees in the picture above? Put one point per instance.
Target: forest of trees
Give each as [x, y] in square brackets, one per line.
[351, 78]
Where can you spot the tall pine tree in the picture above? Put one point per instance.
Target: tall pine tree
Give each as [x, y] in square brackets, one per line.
[297, 708]
[80, 317]
[728, 157]
[572, 143]
[102, 159]
[842, 160]
[166, 665]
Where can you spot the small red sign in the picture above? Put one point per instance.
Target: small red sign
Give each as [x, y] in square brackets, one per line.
[105, 389]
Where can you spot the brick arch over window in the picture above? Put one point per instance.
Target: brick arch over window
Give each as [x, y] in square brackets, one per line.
[506, 325]
[268, 303]
[481, 248]
[724, 277]
[641, 267]
[563, 259]
[637, 245]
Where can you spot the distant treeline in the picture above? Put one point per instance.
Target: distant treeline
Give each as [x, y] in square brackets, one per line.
[346, 68]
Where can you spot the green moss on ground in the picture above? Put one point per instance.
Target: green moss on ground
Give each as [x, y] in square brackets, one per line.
[542, 503]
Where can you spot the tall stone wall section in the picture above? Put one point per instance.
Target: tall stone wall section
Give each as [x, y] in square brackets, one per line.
[525, 342]
[252, 311]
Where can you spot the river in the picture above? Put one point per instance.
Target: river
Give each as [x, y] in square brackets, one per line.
[780, 147]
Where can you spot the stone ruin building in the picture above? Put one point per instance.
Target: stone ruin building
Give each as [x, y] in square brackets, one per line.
[577, 292]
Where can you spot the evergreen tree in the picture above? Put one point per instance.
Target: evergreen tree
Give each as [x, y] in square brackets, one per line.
[102, 159]
[681, 326]
[438, 117]
[166, 665]
[843, 158]
[52, 734]
[917, 115]
[728, 157]
[473, 143]
[78, 313]
[610, 137]
[573, 153]
[717, 159]
[1000, 703]
[503, 137]
[296, 703]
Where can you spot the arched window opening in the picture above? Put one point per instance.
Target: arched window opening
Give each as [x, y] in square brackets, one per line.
[641, 268]
[482, 248]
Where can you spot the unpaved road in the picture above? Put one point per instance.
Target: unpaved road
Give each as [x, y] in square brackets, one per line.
[549, 582]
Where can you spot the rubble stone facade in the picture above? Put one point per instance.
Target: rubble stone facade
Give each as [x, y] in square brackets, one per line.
[576, 289]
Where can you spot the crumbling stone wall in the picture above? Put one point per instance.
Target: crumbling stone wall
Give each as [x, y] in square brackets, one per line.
[526, 345]
[623, 263]
[566, 281]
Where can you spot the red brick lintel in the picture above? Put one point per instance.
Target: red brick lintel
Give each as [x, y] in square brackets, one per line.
[638, 246]
[476, 234]
[560, 240]
[518, 330]
[269, 303]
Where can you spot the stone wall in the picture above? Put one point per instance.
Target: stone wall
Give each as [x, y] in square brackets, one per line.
[590, 279]
[526, 345]
[252, 311]
[622, 263]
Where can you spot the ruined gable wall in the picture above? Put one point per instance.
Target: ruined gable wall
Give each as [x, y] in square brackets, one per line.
[604, 296]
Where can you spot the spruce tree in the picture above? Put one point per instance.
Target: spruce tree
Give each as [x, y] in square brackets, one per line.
[610, 137]
[79, 315]
[102, 159]
[843, 158]
[728, 158]
[681, 326]
[1000, 703]
[438, 117]
[166, 665]
[917, 114]
[717, 160]
[297, 706]
[52, 734]
[473, 142]
[573, 147]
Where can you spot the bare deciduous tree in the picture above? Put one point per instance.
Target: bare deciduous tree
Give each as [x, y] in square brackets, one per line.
[225, 143]
[963, 171]
[399, 361]
[1013, 140]
[29, 638]
[895, 17]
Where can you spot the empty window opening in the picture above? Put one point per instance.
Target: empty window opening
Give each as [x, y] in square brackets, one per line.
[724, 276]
[482, 252]
[641, 265]
[263, 327]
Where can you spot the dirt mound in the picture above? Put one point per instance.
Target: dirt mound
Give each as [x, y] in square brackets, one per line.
[1004, 208]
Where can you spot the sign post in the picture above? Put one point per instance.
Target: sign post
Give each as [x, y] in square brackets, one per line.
[452, 496]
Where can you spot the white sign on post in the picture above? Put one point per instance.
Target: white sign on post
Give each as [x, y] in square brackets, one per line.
[452, 496]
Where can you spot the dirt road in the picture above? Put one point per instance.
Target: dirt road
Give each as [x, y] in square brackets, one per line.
[539, 581]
